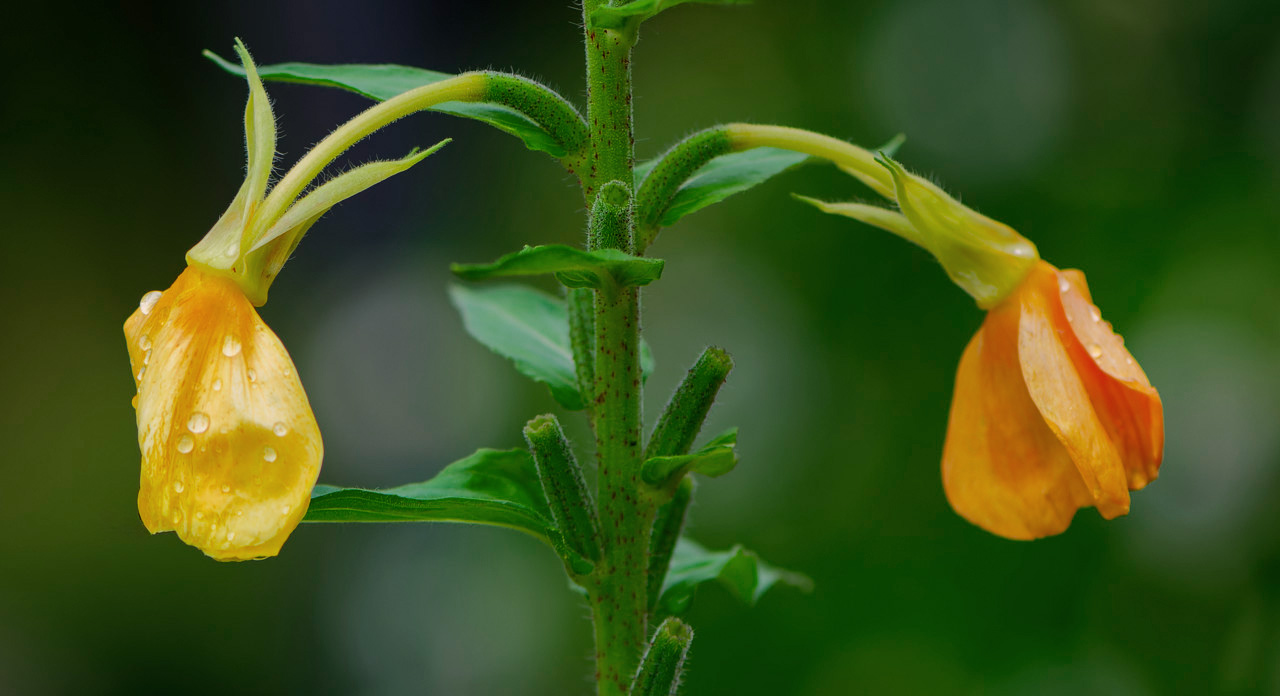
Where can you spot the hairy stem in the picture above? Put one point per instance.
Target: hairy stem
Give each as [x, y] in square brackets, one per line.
[619, 589]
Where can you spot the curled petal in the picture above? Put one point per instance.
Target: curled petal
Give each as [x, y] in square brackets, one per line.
[1056, 387]
[1129, 407]
[230, 448]
[1003, 468]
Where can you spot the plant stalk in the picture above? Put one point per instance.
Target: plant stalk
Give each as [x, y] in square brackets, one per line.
[618, 592]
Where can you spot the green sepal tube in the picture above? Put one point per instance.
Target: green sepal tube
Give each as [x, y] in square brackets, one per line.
[610, 226]
[673, 169]
[683, 417]
[544, 107]
[663, 662]
[563, 484]
[667, 526]
[582, 338]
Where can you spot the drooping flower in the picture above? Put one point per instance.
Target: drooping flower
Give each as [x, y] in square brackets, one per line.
[230, 447]
[1050, 412]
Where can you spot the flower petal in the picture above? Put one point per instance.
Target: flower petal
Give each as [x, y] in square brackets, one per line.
[1059, 393]
[1129, 407]
[230, 448]
[1002, 467]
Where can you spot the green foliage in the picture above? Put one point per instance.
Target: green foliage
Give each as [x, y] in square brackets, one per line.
[737, 569]
[603, 269]
[625, 16]
[530, 328]
[382, 82]
[491, 487]
[722, 177]
[715, 458]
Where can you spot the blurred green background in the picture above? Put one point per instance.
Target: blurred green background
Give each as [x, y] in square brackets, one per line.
[1136, 139]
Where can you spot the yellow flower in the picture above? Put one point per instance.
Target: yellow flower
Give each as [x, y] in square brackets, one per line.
[230, 448]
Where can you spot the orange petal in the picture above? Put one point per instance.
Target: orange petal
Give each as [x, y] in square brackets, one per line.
[1002, 467]
[1060, 394]
[230, 448]
[1129, 407]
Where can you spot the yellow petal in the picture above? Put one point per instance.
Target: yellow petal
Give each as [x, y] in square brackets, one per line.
[230, 448]
[1002, 467]
[1129, 407]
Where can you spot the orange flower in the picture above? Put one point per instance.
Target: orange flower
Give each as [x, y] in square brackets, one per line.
[1050, 414]
[230, 448]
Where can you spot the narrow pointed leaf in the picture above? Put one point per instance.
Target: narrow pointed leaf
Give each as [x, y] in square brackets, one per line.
[259, 129]
[531, 329]
[885, 219]
[323, 197]
[621, 16]
[382, 82]
[715, 458]
[604, 269]
[723, 177]
[740, 571]
[491, 487]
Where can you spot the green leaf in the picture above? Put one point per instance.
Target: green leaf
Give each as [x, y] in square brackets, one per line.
[625, 16]
[531, 329]
[723, 177]
[382, 82]
[604, 269]
[492, 487]
[737, 569]
[528, 327]
[715, 458]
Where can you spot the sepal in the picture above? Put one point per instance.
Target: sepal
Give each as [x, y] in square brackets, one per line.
[663, 662]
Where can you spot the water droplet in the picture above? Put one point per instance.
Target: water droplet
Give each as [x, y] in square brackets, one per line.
[186, 444]
[1128, 360]
[1095, 315]
[284, 509]
[1095, 350]
[231, 536]
[230, 346]
[253, 374]
[141, 372]
[199, 515]
[177, 486]
[217, 385]
[287, 372]
[230, 252]
[148, 302]
[226, 488]
[146, 357]
[1063, 285]
[239, 513]
[198, 422]
[279, 429]
[144, 342]
[268, 454]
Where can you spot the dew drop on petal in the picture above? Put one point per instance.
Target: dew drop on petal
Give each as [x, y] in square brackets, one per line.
[1095, 314]
[144, 342]
[148, 302]
[199, 515]
[141, 372]
[1095, 351]
[226, 488]
[279, 429]
[268, 454]
[198, 422]
[217, 385]
[186, 444]
[284, 509]
[231, 536]
[177, 486]
[1063, 285]
[253, 374]
[230, 346]
[146, 357]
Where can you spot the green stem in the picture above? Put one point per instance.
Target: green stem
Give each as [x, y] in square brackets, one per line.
[619, 588]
